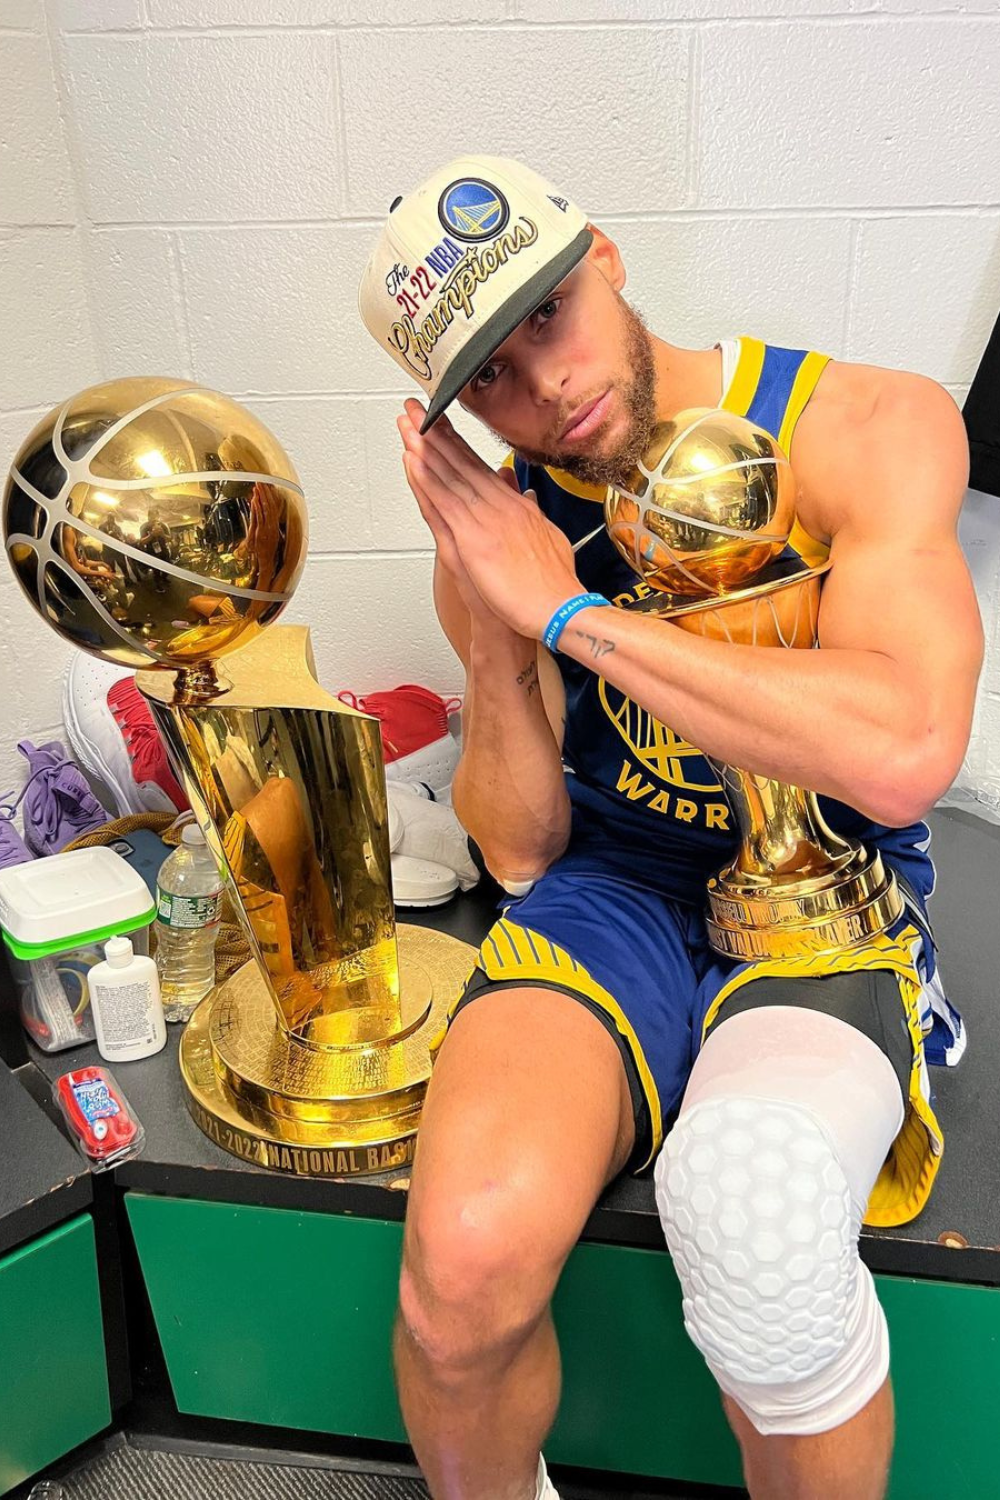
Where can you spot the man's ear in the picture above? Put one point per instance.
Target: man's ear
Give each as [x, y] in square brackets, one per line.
[604, 254]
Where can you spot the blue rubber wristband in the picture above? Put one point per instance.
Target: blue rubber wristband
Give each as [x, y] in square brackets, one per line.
[565, 613]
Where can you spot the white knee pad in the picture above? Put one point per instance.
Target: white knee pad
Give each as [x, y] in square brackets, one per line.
[762, 1222]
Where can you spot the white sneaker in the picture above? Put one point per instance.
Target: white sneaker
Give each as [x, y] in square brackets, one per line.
[421, 882]
[425, 829]
[434, 764]
[416, 741]
[426, 843]
[113, 736]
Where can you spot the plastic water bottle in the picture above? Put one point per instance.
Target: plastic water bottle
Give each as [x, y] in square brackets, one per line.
[188, 899]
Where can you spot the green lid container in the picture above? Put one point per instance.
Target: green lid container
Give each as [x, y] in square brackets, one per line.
[70, 900]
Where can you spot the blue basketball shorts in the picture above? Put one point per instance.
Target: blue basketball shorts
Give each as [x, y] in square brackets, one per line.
[641, 963]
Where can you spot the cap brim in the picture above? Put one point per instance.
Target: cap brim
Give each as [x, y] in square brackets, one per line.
[520, 305]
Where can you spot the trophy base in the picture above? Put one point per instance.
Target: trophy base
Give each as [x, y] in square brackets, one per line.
[261, 1093]
[838, 909]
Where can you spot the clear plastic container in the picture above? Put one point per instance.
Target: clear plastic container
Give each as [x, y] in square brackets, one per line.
[53, 991]
[56, 913]
[188, 903]
[102, 1125]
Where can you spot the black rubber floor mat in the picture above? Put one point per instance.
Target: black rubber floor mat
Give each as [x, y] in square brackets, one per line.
[146, 1474]
[124, 1472]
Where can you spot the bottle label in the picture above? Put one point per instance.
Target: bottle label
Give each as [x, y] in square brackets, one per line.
[124, 1015]
[187, 911]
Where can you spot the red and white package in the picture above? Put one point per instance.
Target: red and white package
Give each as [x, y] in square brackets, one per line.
[104, 1128]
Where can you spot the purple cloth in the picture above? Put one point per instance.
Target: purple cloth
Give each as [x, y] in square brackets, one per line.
[58, 804]
[13, 850]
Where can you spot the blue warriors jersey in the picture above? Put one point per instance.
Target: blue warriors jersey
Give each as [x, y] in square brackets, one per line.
[645, 802]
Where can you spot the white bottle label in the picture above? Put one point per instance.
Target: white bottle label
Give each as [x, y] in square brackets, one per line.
[126, 1019]
[188, 911]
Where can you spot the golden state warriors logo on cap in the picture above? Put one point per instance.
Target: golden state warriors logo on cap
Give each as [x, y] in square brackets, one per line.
[472, 209]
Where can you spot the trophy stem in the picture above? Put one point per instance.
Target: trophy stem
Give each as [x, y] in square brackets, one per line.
[795, 886]
[784, 834]
[199, 683]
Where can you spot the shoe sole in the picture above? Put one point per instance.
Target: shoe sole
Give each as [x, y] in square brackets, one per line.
[421, 882]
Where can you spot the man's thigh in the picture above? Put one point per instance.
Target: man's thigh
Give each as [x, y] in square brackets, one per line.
[627, 957]
[528, 1116]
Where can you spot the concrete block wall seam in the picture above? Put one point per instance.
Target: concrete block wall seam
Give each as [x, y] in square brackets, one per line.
[71, 132]
[337, 73]
[324, 15]
[852, 282]
[35, 173]
[180, 304]
[692, 178]
[21, 16]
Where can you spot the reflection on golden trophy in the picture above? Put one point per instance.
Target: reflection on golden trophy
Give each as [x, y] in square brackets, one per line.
[705, 520]
[161, 526]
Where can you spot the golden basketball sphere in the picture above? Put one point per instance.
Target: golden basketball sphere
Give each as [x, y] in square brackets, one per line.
[711, 503]
[154, 522]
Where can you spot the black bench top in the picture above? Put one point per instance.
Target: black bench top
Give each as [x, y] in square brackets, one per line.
[43, 1180]
[965, 1205]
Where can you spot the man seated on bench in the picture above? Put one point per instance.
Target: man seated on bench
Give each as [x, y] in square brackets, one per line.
[593, 1017]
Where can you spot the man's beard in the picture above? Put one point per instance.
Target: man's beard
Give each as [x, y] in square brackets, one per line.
[638, 395]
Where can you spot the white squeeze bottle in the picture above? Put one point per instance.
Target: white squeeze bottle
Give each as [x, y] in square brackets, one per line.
[125, 1001]
[188, 901]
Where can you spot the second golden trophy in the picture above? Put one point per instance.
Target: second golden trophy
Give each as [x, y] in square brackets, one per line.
[706, 519]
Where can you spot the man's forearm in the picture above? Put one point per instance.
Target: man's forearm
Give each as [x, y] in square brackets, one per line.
[510, 791]
[843, 723]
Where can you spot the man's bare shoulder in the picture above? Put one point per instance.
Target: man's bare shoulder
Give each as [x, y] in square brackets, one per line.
[870, 433]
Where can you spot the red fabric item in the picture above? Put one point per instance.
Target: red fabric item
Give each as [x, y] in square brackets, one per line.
[412, 717]
[142, 740]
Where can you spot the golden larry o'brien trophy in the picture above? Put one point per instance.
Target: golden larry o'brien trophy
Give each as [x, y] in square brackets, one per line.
[159, 525]
[705, 520]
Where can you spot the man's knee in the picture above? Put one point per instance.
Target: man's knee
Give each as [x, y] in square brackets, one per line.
[760, 1222]
[478, 1272]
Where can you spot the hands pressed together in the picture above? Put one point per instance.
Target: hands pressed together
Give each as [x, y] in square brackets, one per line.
[507, 559]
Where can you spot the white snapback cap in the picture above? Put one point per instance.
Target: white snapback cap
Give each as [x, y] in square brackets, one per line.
[461, 261]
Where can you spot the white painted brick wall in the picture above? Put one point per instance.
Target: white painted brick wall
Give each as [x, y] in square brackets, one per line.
[548, 96]
[215, 128]
[872, 113]
[35, 181]
[193, 188]
[926, 286]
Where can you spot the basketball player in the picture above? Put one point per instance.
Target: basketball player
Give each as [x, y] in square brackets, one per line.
[597, 1022]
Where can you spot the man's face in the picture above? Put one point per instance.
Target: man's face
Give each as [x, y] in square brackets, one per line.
[574, 385]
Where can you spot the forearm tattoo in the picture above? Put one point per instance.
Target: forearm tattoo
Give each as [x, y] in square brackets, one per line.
[599, 645]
